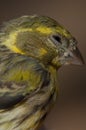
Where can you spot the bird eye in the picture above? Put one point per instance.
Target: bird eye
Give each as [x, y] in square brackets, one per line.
[56, 39]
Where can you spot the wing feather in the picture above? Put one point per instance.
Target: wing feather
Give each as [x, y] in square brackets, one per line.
[20, 78]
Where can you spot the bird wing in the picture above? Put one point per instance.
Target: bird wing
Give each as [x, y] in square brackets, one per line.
[20, 78]
[9, 96]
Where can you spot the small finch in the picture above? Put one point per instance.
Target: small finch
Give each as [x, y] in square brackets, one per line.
[32, 49]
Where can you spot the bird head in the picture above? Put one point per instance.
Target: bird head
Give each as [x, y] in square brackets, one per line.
[43, 38]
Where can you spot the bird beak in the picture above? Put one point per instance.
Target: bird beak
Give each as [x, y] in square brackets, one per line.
[76, 57]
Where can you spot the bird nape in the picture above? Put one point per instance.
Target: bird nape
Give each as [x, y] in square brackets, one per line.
[32, 49]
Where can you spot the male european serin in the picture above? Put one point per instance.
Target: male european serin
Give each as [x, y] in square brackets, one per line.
[32, 49]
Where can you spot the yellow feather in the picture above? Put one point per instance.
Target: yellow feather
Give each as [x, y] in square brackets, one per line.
[10, 42]
[43, 29]
[42, 51]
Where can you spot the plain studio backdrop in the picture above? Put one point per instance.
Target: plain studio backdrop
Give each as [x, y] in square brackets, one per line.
[69, 112]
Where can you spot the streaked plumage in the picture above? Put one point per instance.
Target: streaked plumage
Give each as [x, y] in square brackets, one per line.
[32, 48]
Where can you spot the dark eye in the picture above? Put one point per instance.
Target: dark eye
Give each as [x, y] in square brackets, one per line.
[56, 39]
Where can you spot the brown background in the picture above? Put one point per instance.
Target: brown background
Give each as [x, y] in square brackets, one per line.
[69, 113]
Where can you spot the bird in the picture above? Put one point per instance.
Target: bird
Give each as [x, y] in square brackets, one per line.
[32, 49]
